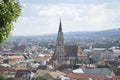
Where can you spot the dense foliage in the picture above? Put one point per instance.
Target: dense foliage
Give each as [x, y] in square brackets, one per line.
[5, 78]
[9, 12]
[40, 78]
[103, 66]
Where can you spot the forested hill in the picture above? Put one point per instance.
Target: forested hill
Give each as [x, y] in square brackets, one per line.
[95, 34]
[112, 33]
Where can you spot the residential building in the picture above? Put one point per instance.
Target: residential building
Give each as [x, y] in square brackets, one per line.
[23, 75]
[87, 76]
[105, 71]
[42, 60]
[9, 72]
[1, 60]
[54, 75]
[14, 59]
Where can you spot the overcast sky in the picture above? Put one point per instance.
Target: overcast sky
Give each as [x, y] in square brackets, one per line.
[43, 16]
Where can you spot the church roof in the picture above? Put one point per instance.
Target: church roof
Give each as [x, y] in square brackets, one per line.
[60, 27]
[73, 51]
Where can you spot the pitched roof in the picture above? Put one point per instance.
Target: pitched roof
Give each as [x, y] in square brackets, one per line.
[60, 27]
[116, 51]
[55, 74]
[20, 73]
[41, 73]
[15, 57]
[113, 63]
[106, 71]
[7, 69]
[64, 66]
[42, 67]
[22, 47]
[86, 76]
[70, 51]
[73, 51]
[39, 58]
[13, 69]
[81, 53]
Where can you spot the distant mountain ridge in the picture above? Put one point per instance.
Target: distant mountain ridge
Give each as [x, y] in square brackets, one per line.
[83, 34]
[104, 33]
[110, 32]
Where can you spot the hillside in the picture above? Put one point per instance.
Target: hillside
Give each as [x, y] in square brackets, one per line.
[112, 33]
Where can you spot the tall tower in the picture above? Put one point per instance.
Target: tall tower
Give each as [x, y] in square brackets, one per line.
[59, 52]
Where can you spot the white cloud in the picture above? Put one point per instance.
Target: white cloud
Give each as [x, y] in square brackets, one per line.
[44, 19]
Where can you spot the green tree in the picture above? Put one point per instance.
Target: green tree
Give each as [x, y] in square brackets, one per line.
[40, 78]
[6, 78]
[2, 78]
[9, 12]
[11, 78]
[103, 66]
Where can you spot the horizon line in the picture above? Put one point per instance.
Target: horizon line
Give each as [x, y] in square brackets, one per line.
[63, 32]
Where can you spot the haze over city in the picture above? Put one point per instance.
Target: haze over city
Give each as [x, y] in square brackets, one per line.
[60, 40]
[42, 16]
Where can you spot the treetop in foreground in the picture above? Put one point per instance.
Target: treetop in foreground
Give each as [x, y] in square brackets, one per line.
[9, 12]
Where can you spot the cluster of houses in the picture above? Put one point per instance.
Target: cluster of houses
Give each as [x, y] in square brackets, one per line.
[22, 61]
[66, 62]
[27, 65]
[101, 55]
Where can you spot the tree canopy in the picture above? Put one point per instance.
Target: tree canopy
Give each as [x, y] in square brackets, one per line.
[6, 78]
[9, 12]
[40, 78]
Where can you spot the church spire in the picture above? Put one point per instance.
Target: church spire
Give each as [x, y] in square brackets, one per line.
[60, 27]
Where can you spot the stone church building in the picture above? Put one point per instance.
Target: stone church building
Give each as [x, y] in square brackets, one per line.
[67, 54]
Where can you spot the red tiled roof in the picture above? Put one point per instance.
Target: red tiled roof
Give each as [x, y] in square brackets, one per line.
[12, 69]
[15, 57]
[86, 76]
[7, 69]
[41, 58]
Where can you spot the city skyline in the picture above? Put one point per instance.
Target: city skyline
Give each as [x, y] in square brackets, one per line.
[42, 17]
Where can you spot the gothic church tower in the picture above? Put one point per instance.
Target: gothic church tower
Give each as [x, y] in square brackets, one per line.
[59, 52]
